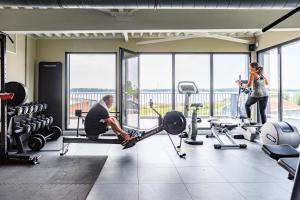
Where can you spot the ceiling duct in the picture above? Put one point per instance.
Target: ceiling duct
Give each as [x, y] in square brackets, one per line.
[152, 4]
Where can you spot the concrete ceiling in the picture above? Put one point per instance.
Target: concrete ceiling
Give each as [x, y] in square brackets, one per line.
[150, 4]
[191, 20]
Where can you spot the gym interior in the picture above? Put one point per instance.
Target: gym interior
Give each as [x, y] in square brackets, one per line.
[201, 100]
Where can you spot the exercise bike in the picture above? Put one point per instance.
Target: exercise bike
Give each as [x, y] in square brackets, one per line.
[188, 88]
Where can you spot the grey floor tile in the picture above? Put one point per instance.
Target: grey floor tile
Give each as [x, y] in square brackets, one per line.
[262, 191]
[124, 161]
[288, 186]
[163, 192]
[240, 173]
[192, 160]
[257, 159]
[158, 175]
[276, 171]
[154, 160]
[88, 149]
[118, 175]
[200, 174]
[213, 191]
[117, 150]
[114, 192]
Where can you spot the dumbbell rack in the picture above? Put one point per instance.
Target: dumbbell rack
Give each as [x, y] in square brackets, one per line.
[5, 157]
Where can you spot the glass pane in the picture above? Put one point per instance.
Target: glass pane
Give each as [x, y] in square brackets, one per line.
[226, 70]
[269, 60]
[155, 84]
[291, 83]
[195, 68]
[130, 78]
[85, 86]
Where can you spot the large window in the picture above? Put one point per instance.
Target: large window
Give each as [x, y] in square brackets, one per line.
[269, 60]
[91, 76]
[160, 73]
[196, 68]
[282, 66]
[155, 84]
[291, 82]
[226, 70]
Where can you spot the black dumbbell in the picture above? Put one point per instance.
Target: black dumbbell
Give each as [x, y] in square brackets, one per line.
[37, 141]
[18, 130]
[12, 111]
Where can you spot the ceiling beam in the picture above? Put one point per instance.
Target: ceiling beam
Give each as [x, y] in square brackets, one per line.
[125, 34]
[228, 38]
[170, 39]
[207, 35]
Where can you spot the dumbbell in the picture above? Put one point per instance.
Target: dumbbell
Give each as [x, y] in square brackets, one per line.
[41, 116]
[37, 141]
[12, 111]
[31, 108]
[18, 130]
[33, 126]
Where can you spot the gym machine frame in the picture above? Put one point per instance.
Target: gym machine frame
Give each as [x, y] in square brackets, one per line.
[188, 88]
[173, 123]
[5, 157]
[223, 128]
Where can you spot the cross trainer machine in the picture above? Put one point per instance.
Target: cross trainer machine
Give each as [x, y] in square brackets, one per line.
[173, 123]
[188, 88]
[246, 129]
[272, 133]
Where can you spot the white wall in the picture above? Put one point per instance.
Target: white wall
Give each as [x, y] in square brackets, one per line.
[272, 38]
[30, 67]
[20, 65]
[15, 63]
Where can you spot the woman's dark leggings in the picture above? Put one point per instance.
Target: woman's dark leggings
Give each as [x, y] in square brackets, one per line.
[262, 102]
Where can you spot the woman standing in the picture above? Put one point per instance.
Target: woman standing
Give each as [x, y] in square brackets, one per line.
[259, 94]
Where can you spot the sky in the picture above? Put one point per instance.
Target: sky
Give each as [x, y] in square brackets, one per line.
[290, 66]
[92, 71]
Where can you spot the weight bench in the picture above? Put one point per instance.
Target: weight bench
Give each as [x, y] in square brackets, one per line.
[290, 165]
[286, 155]
[280, 151]
[219, 127]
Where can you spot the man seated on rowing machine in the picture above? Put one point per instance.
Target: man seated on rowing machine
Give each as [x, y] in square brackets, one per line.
[98, 119]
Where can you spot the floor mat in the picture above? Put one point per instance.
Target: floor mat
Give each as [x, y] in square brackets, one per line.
[68, 177]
